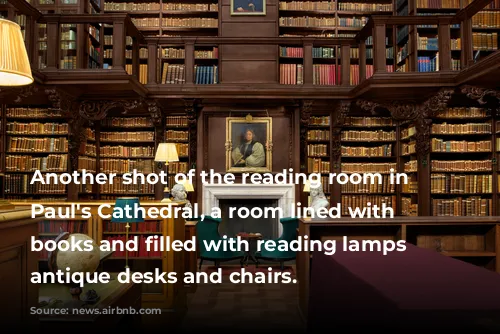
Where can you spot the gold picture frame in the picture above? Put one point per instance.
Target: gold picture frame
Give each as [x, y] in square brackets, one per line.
[248, 7]
[246, 150]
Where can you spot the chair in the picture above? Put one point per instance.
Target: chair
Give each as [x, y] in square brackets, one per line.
[289, 234]
[208, 231]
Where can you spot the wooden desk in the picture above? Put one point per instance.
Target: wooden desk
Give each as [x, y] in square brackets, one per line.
[17, 262]
[112, 295]
[484, 249]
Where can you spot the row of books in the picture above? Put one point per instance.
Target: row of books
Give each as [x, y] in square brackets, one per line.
[485, 41]
[461, 166]
[127, 151]
[469, 206]
[22, 112]
[55, 226]
[468, 128]
[87, 163]
[330, 6]
[368, 121]
[22, 144]
[317, 150]
[384, 187]
[291, 74]
[461, 184]
[177, 167]
[318, 135]
[315, 165]
[377, 167]
[18, 128]
[378, 135]
[462, 112]
[409, 148]
[176, 135]
[127, 122]
[428, 64]
[127, 136]
[89, 149]
[27, 163]
[206, 75]
[126, 166]
[176, 121]
[319, 120]
[411, 166]
[378, 151]
[90, 134]
[173, 74]
[438, 4]
[408, 208]
[486, 20]
[460, 146]
[20, 184]
[131, 6]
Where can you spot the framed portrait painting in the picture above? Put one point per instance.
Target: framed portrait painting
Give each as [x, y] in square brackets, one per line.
[249, 144]
[248, 7]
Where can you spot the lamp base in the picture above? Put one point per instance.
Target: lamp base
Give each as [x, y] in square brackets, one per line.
[166, 200]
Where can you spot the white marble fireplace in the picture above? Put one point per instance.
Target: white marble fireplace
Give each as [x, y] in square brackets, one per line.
[284, 194]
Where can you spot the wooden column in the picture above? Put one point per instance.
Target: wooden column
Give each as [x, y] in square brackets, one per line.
[119, 41]
[362, 60]
[379, 48]
[152, 63]
[189, 62]
[135, 58]
[467, 54]
[308, 63]
[52, 45]
[345, 65]
[444, 47]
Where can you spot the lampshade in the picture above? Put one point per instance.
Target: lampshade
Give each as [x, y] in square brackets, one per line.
[15, 67]
[128, 202]
[166, 152]
[188, 186]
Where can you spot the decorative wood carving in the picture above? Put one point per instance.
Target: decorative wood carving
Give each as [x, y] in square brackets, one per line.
[154, 110]
[341, 112]
[369, 105]
[76, 123]
[436, 103]
[306, 107]
[336, 146]
[423, 137]
[478, 93]
[191, 109]
[24, 92]
[403, 111]
[97, 110]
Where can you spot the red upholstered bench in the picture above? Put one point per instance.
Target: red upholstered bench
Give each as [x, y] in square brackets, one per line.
[412, 291]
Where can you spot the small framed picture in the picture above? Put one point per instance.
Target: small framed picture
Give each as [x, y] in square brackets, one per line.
[248, 7]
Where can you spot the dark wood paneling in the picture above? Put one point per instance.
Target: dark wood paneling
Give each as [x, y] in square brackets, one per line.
[240, 29]
[246, 52]
[246, 71]
[282, 143]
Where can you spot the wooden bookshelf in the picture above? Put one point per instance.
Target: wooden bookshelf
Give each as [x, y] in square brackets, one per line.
[461, 163]
[369, 144]
[318, 150]
[126, 144]
[171, 18]
[36, 138]
[177, 131]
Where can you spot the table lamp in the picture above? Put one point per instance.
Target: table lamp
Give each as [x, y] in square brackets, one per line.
[137, 217]
[166, 152]
[15, 67]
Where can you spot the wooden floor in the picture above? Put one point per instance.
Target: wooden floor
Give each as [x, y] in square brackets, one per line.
[239, 308]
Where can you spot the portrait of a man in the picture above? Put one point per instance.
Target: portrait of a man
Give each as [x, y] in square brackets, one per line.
[248, 144]
[250, 153]
[248, 7]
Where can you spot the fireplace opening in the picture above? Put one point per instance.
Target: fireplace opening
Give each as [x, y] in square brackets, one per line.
[268, 227]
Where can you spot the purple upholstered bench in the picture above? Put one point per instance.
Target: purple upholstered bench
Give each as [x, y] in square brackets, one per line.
[418, 290]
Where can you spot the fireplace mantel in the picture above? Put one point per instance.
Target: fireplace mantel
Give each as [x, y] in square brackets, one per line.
[283, 193]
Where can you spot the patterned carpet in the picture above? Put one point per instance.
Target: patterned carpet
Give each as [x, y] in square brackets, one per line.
[243, 308]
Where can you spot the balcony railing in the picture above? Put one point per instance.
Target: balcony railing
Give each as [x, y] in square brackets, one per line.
[356, 59]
